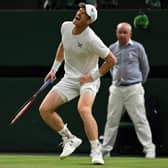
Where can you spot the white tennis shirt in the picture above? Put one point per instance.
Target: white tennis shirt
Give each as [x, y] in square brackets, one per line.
[81, 52]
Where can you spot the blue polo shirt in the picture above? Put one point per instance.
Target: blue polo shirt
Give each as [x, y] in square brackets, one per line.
[132, 63]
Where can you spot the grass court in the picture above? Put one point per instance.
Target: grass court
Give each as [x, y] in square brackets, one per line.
[53, 161]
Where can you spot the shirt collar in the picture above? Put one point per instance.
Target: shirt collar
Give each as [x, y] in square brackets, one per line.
[130, 42]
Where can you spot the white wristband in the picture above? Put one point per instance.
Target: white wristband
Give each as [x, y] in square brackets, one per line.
[56, 65]
[96, 74]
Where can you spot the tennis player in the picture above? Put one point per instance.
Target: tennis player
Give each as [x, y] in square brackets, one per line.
[80, 49]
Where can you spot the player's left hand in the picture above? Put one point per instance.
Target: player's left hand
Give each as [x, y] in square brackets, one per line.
[85, 78]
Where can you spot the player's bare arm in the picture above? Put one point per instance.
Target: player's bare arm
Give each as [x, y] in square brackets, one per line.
[57, 63]
[108, 63]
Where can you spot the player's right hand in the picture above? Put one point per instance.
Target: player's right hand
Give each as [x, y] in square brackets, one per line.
[51, 75]
[85, 78]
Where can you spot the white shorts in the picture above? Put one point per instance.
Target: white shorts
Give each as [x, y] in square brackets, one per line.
[69, 88]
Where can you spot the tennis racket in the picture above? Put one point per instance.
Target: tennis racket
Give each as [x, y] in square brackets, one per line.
[28, 103]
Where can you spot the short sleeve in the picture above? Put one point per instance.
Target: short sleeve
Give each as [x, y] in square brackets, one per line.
[98, 47]
[64, 25]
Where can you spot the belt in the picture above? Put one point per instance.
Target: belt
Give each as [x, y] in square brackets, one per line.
[128, 84]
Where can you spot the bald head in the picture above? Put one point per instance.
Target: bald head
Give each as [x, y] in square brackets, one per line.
[123, 32]
[124, 25]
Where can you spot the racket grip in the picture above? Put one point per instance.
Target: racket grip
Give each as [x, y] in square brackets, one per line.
[45, 84]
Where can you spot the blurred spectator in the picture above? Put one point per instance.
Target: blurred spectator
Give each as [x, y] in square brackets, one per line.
[107, 4]
[153, 4]
[55, 4]
[164, 4]
[21, 4]
[73, 4]
[66, 4]
[93, 2]
[131, 4]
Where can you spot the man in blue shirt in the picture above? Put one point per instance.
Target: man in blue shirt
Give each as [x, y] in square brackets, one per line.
[127, 92]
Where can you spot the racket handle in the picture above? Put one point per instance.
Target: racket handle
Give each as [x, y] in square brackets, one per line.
[45, 84]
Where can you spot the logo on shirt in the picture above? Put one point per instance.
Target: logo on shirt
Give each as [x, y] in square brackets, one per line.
[79, 44]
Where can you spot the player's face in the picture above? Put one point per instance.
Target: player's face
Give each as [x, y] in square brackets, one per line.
[81, 18]
[123, 35]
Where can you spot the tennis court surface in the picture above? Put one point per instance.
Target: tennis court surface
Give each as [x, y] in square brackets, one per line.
[53, 161]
